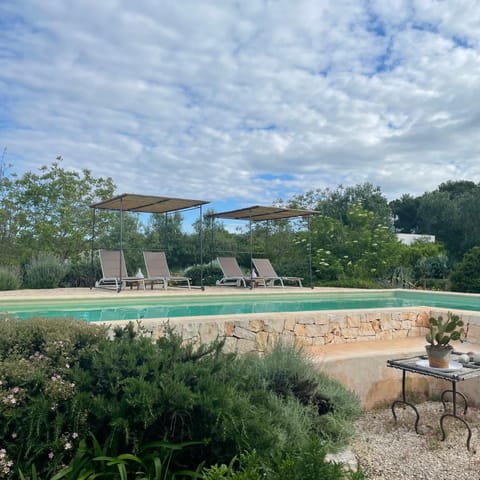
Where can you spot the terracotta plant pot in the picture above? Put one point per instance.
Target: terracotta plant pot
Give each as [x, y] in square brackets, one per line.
[439, 355]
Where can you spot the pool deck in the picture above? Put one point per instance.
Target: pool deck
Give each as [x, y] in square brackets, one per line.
[64, 293]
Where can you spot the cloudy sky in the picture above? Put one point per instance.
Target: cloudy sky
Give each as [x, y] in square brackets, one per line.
[245, 101]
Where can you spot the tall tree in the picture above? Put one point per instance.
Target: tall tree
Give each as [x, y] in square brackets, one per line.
[7, 210]
[52, 211]
[164, 232]
[450, 213]
[405, 212]
[337, 203]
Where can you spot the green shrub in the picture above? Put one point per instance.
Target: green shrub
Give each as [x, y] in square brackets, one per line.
[211, 274]
[52, 338]
[65, 382]
[352, 283]
[37, 357]
[80, 274]
[9, 278]
[44, 271]
[287, 372]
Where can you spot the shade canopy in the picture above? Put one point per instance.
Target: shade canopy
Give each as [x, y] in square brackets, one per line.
[257, 213]
[130, 202]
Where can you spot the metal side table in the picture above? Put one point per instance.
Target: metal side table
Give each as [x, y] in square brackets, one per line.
[457, 373]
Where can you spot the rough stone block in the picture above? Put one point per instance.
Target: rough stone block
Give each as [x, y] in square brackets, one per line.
[189, 330]
[421, 319]
[289, 324]
[245, 346]
[301, 342]
[261, 341]
[353, 321]
[228, 329]
[256, 325]
[299, 330]
[376, 325]
[208, 332]
[366, 329]
[277, 325]
[306, 319]
[230, 345]
[243, 333]
[315, 330]
[243, 322]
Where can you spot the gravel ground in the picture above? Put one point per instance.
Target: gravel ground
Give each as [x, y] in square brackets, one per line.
[387, 450]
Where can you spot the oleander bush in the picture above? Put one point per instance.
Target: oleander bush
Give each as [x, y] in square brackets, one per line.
[46, 270]
[74, 394]
[10, 278]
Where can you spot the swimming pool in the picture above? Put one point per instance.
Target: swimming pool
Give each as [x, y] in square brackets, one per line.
[122, 308]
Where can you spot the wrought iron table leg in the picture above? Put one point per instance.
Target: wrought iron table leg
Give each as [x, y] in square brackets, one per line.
[465, 401]
[442, 418]
[454, 413]
[404, 402]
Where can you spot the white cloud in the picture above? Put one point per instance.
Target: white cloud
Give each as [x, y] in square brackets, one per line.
[211, 99]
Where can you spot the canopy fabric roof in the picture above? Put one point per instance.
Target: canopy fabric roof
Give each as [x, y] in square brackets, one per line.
[257, 213]
[129, 202]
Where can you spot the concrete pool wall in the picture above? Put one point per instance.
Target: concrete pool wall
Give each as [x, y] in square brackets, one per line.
[352, 346]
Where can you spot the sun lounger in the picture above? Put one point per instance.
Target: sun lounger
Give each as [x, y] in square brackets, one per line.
[158, 271]
[232, 274]
[266, 271]
[114, 271]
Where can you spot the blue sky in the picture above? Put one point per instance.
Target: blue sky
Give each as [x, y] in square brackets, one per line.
[242, 103]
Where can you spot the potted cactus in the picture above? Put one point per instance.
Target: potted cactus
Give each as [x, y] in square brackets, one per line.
[440, 333]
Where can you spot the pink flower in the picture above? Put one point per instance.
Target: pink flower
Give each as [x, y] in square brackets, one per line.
[51, 455]
[68, 446]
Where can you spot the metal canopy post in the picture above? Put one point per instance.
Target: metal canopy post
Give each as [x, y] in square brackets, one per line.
[92, 244]
[200, 230]
[310, 251]
[251, 251]
[121, 246]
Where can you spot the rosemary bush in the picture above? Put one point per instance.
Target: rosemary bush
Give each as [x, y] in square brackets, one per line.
[9, 278]
[44, 271]
[65, 382]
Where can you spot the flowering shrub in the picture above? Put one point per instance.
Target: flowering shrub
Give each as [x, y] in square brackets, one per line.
[37, 391]
[5, 464]
[64, 383]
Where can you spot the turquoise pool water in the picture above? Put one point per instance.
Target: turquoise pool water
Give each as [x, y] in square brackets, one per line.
[94, 310]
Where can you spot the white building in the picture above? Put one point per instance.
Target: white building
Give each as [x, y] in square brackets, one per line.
[409, 238]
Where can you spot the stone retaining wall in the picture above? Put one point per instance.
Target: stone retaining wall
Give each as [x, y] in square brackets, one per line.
[258, 332]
